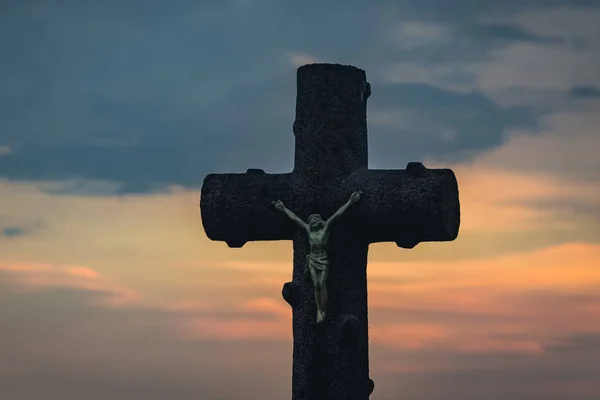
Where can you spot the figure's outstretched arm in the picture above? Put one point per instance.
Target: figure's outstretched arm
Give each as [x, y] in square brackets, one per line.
[353, 199]
[281, 207]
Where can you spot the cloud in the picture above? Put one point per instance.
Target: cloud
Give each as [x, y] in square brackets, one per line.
[409, 35]
[112, 342]
[564, 148]
[577, 208]
[585, 91]
[443, 328]
[566, 370]
[534, 67]
[239, 317]
[498, 34]
[34, 277]
[122, 353]
[115, 292]
[431, 317]
[13, 231]
[167, 257]
[300, 59]
[421, 121]
[113, 120]
[19, 227]
[471, 302]
[145, 117]
[515, 73]
[517, 54]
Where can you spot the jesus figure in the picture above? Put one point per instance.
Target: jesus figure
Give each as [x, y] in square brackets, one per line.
[317, 262]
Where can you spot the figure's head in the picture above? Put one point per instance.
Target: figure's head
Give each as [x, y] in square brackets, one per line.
[315, 221]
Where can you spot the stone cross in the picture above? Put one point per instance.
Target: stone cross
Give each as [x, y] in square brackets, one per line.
[330, 360]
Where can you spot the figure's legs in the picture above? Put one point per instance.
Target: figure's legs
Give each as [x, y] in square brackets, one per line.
[323, 293]
[319, 299]
[315, 275]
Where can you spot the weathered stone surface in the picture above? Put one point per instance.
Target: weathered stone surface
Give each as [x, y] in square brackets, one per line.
[349, 331]
[330, 360]
[290, 293]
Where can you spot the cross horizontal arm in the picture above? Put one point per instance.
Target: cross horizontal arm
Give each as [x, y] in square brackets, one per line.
[409, 206]
[236, 208]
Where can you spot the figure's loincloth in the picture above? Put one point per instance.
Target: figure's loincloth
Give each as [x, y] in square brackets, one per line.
[318, 262]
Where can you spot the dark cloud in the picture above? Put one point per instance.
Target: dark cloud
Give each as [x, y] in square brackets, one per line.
[467, 42]
[462, 11]
[150, 97]
[177, 151]
[440, 124]
[259, 122]
[13, 231]
[587, 92]
[10, 228]
[500, 34]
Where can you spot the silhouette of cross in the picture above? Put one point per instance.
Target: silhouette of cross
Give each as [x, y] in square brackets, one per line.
[330, 360]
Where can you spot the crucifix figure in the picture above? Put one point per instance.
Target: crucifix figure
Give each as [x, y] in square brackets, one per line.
[410, 206]
[317, 263]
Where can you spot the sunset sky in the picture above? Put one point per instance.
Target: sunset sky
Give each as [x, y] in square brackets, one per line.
[113, 112]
